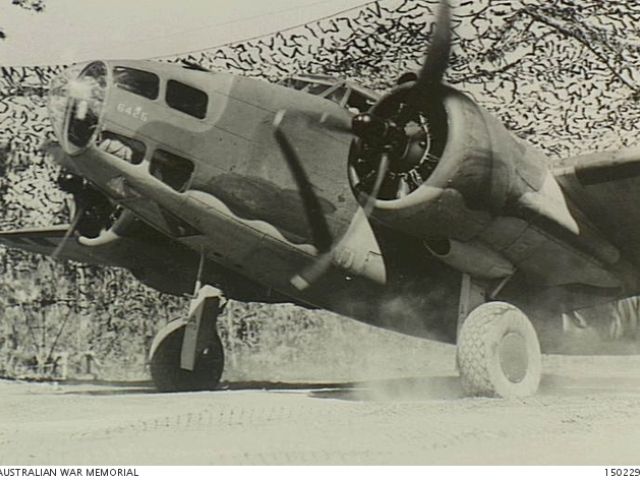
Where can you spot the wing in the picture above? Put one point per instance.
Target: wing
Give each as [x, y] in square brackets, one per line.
[45, 241]
[606, 188]
[153, 258]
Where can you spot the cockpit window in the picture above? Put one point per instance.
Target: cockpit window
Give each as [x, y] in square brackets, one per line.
[187, 99]
[172, 169]
[312, 86]
[345, 94]
[136, 81]
[337, 94]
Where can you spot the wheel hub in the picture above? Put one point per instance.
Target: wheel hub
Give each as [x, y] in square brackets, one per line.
[512, 352]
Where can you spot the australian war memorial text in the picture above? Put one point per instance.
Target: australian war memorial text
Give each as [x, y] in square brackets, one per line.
[67, 472]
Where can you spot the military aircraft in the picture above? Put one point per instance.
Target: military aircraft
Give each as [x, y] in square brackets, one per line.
[415, 211]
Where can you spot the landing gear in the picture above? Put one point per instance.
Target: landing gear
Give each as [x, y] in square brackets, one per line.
[498, 353]
[187, 355]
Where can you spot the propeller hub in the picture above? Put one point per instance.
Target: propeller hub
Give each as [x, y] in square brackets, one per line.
[378, 132]
[367, 126]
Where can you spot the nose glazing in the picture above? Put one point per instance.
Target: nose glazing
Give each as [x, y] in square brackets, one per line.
[76, 99]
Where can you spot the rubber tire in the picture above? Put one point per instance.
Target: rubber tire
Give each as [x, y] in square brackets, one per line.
[479, 344]
[169, 377]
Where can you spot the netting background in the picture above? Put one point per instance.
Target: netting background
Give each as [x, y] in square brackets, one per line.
[562, 75]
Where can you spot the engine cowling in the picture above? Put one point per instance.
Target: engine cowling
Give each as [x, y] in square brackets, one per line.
[128, 242]
[453, 154]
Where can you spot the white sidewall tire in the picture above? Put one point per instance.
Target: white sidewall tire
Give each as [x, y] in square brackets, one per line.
[479, 346]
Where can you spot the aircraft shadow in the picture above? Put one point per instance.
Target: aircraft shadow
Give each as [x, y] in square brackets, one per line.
[446, 387]
[106, 387]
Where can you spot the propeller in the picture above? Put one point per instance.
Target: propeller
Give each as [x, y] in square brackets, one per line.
[75, 185]
[382, 139]
[424, 85]
[400, 120]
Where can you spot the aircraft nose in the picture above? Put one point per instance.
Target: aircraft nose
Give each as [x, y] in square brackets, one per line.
[76, 100]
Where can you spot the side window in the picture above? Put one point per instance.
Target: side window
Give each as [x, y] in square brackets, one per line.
[187, 99]
[128, 149]
[142, 83]
[172, 169]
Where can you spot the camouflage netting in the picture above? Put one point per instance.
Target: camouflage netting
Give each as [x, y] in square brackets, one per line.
[561, 75]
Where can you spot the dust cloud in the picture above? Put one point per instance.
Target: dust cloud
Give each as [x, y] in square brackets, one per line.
[304, 346]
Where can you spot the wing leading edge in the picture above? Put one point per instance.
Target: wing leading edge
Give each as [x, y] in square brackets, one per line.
[45, 241]
[606, 188]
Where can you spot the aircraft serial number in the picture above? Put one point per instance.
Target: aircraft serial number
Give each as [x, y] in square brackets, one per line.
[622, 472]
[135, 112]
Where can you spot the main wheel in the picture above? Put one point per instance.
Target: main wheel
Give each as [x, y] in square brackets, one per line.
[169, 377]
[498, 352]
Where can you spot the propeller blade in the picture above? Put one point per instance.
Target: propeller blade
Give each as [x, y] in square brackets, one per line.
[304, 279]
[68, 233]
[383, 168]
[437, 60]
[428, 81]
[322, 237]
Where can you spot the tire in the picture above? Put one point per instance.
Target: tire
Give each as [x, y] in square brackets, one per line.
[169, 377]
[498, 352]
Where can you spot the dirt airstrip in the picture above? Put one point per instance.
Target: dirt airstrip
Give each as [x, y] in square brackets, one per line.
[587, 412]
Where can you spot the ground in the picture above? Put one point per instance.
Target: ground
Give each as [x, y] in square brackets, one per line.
[587, 412]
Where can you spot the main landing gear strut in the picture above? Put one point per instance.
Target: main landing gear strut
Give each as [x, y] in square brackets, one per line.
[498, 353]
[187, 355]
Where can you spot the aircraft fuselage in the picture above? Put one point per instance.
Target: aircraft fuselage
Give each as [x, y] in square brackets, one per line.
[193, 155]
